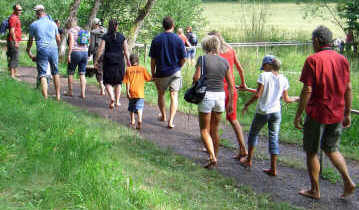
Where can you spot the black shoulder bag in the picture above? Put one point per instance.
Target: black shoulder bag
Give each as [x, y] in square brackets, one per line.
[196, 93]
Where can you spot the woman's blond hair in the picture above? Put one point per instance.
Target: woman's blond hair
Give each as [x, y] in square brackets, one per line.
[210, 43]
[223, 46]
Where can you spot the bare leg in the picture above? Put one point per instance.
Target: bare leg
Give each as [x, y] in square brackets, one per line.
[313, 166]
[43, 81]
[69, 85]
[13, 73]
[102, 88]
[117, 95]
[83, 86]
[173, 108]
[204, 124]
[57, 85]
[273, 169]
[240, 139]
[132, 118]
[161, 104]
[215, 120]
[339, 162]
[247, 162]
[109, 90]
[139, 120]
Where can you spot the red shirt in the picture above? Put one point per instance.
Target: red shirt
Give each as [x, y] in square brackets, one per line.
[14, 22]
[328, 73]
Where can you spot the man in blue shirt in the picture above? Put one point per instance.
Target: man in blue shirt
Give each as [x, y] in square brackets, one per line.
[47, 37]
[167, 57]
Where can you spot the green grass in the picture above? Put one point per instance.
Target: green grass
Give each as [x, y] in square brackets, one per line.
[54, 156]
[284, 19]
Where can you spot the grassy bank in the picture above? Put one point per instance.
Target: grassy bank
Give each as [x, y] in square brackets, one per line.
[54, 156]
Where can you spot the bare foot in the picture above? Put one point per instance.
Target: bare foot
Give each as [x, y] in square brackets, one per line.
[139, 125]
[270, 172]
[348, 190]
[310, 194]
[211, 164]
[68, 94]
[112, 104]
[161, 118]
[239, 156]
[245, 162]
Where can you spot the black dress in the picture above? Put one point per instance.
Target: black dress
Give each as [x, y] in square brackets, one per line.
[113, 60]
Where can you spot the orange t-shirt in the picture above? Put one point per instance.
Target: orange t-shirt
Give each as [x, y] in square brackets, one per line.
[135, 77]
[183, 37]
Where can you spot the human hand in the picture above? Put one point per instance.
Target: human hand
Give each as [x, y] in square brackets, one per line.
[33, 58]
[69, 59]
[244, 110]
[347, 121]
[298, 123]
[17, 44]
[296, 98]
[128, 95]
[229, 108]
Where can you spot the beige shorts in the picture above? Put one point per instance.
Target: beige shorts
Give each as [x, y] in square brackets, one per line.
[173, 82]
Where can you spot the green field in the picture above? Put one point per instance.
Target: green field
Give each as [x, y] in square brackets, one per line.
[286, 19]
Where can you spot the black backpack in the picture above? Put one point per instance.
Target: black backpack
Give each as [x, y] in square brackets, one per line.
[192, 39]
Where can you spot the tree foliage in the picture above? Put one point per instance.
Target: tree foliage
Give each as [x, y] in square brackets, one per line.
[184, 12]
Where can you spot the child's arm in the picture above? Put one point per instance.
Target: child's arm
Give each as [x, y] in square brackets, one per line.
[289, 99]
[146, 75]
[128, 90]
[258, 94]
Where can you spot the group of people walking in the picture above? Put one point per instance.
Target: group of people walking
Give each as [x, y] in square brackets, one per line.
[326, 94]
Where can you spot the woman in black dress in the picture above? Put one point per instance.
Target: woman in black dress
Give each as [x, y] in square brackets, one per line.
[114, 47]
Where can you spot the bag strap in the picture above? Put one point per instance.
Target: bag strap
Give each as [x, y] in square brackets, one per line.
[203, 69]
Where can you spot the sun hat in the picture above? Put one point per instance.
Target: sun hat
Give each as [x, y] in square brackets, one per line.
[39, 7]
[268, 59]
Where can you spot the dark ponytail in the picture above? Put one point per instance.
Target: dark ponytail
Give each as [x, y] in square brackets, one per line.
[112, 26]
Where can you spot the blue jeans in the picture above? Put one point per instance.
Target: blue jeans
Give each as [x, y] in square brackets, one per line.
[78, 58]
[259, 121]
[44, 57]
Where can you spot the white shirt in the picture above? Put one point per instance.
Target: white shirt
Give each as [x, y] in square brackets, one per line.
[274, 85]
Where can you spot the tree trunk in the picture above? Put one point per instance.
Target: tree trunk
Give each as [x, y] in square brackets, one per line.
[142, 14]
[94, 10]
[73, 13]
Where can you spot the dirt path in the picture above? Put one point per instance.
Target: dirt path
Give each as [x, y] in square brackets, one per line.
[184, 140]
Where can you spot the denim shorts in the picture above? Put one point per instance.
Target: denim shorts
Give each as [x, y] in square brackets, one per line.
[136, 104]
[78, 58]
[44, 57]
[191, 52]
[324, 136]
[273, 120]
[212, 102]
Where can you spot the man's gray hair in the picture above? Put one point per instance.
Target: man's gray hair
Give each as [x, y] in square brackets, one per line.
[323, 35]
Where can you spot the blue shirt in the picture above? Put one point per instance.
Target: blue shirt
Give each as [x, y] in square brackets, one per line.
[44, 30]
[168, 50]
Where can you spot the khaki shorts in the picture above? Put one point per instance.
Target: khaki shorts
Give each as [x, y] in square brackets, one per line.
[324, 136]
[173, 82]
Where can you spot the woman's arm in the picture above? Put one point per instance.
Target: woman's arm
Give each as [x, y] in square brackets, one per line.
[288, 99]
[99, 53]
[240, 70]
[71, 42]
[231, 92]
[125, 52]
[197, 73]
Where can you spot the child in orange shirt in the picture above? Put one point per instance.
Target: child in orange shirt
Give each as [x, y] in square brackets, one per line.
[135, 79]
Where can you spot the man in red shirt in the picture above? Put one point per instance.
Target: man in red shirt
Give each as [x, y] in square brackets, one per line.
[14, 39]
[327, 98]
